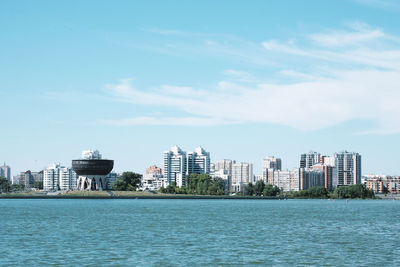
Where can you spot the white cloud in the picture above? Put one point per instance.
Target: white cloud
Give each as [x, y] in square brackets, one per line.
[343, 38]
[359, 34]
[310, 105]
[289, 48]
[363, 84]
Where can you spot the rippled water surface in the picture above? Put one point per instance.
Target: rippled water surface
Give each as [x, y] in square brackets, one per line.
[199, 232]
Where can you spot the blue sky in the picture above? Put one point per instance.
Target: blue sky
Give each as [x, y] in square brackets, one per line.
[243, 79]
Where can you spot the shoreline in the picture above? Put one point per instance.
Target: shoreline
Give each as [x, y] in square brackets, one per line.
[139, 197]
[223, 197]
[146, 195]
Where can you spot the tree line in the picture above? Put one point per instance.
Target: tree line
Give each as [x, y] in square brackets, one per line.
[341, 192]
[260, 189]
[6, 186]
[197, 184]
[204, 184]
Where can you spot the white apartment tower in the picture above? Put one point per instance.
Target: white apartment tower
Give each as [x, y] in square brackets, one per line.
[198, 161]
[272, 163]
[224, 164]
[242, 173]
[57, 177]
[175, 166]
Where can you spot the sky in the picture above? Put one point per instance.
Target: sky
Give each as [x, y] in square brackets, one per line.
[243, 79]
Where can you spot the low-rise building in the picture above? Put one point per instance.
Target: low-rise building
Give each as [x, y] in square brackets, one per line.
[153, 179]
[382, 185]
[111, 178]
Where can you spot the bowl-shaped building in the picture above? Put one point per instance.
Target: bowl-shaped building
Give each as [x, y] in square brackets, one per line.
[92, 173]
[92, 166]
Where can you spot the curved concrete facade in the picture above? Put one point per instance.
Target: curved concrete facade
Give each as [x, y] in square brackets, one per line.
[92, 183]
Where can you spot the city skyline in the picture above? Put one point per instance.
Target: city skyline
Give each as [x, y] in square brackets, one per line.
[245, 81]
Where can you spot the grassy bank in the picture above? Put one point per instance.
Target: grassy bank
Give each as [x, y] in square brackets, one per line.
[120, 195]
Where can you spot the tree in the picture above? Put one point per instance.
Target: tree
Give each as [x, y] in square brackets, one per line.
[171, 188]
[259, 187]
[353, 191]
[38, 185]
[180, 190]
[129, 181]
[204, 184]
[17, 187]
[271, 190]
[249, 189]
[318, 192]
[4, 185]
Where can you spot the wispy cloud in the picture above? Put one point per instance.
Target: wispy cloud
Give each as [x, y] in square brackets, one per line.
[241, 76]
[359, 34]
[362, 82]
[172, 121]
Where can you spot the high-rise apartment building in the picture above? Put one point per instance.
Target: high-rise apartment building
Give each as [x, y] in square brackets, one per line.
[272, 163]
[28, 178]
[224, 164]
[242, 173]
[329, 175]
[309, 159]
[329, 161]
[175, 166]
[285, 180]
[311, 177]
[198, 162]
[5, 171]
[57, 177]
[348, 166]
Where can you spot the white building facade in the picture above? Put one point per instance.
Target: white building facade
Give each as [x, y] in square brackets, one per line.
[175, 166]
[271, 162]
[224, 164]
[57, 177]
[242, 174]
[153, 179]
[198, 162]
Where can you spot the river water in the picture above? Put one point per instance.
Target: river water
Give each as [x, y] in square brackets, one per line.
[72, 232]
